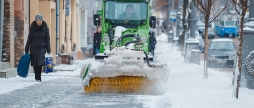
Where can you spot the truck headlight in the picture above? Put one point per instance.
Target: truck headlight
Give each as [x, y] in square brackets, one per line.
[143, 39]
[211, 57]
[106, 39]
[231, 57]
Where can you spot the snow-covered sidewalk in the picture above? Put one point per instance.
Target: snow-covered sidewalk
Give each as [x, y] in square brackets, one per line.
[11, 84]
[186, 87]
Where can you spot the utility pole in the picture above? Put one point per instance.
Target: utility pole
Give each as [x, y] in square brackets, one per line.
[173, 4]
[179, 11]
[1, 26]
[193, 20]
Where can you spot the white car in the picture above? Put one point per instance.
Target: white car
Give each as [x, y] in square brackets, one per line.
[221, 53]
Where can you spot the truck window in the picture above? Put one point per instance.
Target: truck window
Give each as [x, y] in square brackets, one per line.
[125, 11]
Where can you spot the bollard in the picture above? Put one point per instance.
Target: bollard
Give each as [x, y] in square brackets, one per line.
[191, 44]
[195, 56]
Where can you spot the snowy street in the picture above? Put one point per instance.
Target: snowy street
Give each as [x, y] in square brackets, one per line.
[185, 88]
[68, 93]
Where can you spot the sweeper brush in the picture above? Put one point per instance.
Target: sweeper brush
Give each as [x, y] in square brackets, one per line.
[124, 71]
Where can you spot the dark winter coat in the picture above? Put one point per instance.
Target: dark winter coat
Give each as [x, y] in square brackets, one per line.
[133, 16]
[152, 42]
[38, 43]
[97, 40]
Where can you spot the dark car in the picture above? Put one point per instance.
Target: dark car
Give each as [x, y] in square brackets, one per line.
[211, 34]
[201, 42]
[221, 53]
[200, 27]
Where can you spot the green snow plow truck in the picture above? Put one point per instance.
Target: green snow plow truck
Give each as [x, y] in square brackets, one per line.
[124, 64]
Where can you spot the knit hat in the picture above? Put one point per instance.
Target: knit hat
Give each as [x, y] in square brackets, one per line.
[129, 5]
[38, 17]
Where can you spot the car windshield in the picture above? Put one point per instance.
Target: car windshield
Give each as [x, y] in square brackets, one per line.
[201, 26]
[125, 12]
[222, 45]
[210, 31]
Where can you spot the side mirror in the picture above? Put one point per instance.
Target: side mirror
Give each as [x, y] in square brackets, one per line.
[96, 19]
[153, 22]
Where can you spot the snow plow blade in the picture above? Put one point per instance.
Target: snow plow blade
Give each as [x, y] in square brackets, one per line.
[124, 71]
[98, 77]
[119, 84]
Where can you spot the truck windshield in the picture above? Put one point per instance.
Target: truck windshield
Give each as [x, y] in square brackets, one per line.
[125, 11]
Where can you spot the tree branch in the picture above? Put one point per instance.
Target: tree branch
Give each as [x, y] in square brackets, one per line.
[249, 5]
[235, 3]
[199, 6]
[200, 3]
[223, 9]
[214, 1]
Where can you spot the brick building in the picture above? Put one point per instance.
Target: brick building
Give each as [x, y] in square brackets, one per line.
[8, 32]
[75, 27]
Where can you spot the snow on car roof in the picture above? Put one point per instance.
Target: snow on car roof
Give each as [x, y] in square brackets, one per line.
[222, 39]
[248, 28]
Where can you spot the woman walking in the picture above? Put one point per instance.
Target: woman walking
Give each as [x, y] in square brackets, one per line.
[38, 43]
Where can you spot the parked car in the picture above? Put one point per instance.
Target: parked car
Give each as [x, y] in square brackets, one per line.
[200, 27]
[201, 42]
[201, 45]
[211, 34]
[221, 53]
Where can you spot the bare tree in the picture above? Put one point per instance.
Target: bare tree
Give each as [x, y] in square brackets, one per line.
[241, 6]
[184, 24]
[208, 8]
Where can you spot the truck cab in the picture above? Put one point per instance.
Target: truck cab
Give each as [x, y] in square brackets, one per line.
[123, 21]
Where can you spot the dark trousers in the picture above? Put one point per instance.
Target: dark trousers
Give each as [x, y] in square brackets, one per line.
[152, 51]
[37, 71]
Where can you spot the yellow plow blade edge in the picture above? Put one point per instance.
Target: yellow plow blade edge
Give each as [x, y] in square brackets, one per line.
[119, 84]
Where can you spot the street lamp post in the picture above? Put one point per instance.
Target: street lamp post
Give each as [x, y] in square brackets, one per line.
[191, 43]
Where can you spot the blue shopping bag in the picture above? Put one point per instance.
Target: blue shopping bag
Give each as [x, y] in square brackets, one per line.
[23, 65]
[49, 65]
